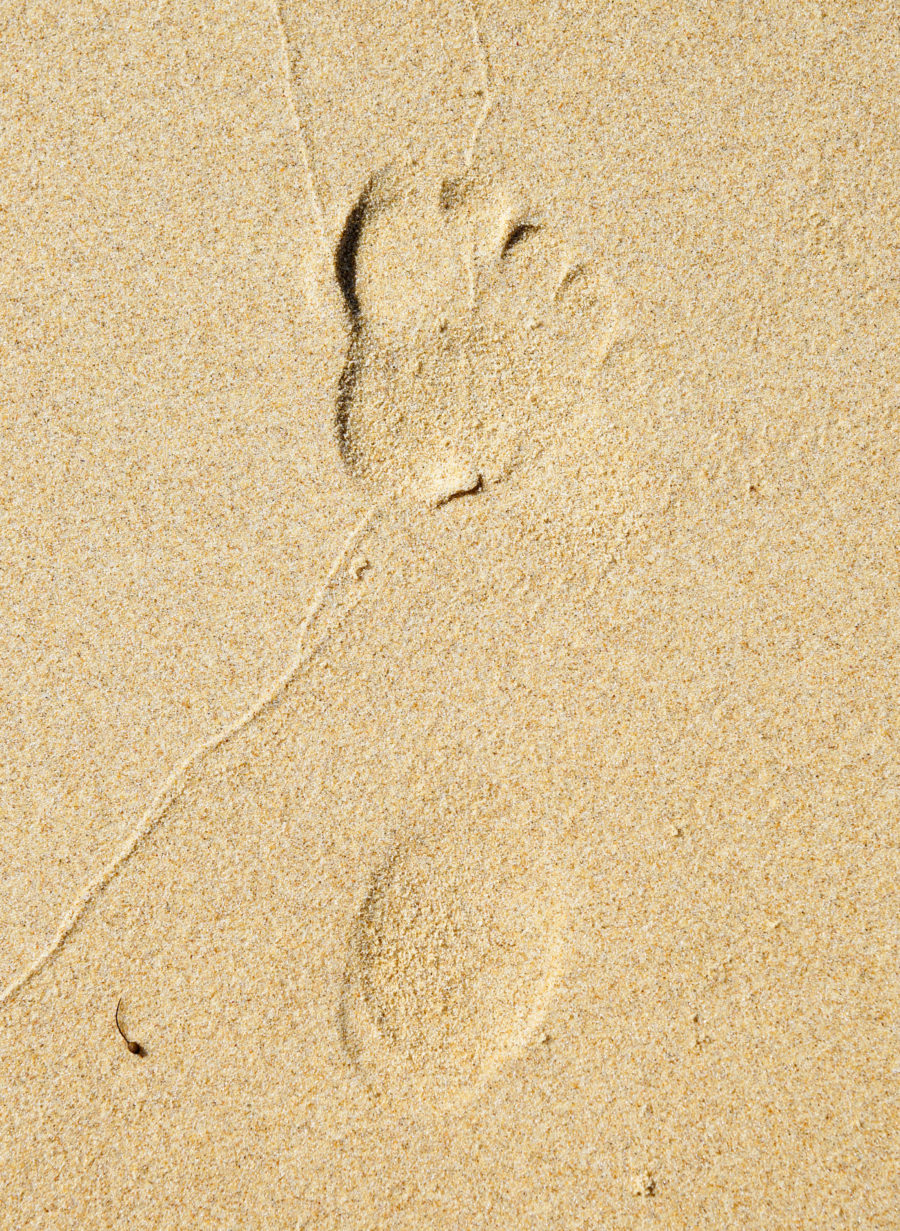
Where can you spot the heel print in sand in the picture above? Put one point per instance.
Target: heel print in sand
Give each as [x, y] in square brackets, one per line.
[452, 954]
[467, 318]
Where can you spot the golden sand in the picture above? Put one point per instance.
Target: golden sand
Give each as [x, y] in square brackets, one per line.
[449, 635]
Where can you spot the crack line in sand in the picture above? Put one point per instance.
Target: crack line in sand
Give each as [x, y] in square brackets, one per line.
[173, 786]
[314, 195]
[487, 87]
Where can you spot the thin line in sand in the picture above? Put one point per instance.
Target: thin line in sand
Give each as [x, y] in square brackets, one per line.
[173, 785]
[487, 87]
[315, 196]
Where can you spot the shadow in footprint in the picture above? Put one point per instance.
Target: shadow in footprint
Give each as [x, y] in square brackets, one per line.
[345, 275]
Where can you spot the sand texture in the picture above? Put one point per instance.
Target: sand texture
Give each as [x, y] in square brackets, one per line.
[449, 615]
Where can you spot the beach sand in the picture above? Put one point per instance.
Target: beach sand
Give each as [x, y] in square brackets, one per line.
[449, 639]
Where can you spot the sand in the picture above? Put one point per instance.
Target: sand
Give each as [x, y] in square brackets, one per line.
[449, 635]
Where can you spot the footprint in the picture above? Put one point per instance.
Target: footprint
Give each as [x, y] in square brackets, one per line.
[452, 954]
[472, 325]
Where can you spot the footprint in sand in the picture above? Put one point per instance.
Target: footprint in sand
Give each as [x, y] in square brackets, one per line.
[452, 954]
[468, 322]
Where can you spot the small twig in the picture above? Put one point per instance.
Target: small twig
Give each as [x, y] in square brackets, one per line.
[134, 1048]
